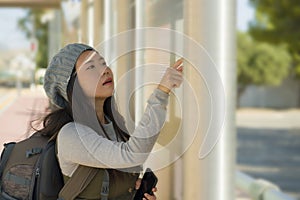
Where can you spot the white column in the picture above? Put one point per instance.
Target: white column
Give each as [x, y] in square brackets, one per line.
[124, 63]
[98, 22]
[90, 22]
[139, 59]
[54, 39]
[108, 24]
[83, 30]
[211, 23]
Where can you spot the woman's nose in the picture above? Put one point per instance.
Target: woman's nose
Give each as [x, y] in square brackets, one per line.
[105, 71]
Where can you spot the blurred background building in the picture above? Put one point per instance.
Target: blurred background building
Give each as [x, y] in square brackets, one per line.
[259, 72]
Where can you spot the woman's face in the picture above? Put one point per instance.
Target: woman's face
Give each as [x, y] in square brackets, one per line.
[94, 76]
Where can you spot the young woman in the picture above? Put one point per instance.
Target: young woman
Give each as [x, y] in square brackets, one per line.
[91, 131]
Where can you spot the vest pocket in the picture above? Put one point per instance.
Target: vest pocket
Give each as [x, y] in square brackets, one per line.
[17, 181]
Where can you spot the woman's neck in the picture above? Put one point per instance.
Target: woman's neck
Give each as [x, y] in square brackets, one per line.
[99, 110]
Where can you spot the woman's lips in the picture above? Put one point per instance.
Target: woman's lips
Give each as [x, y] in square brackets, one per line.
[107, 81]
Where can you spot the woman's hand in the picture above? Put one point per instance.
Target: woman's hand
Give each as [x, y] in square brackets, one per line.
[172, 77]
[150, 197]
[146, 195]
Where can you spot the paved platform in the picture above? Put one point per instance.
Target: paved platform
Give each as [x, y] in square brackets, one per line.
[268, 118]
[18, 110]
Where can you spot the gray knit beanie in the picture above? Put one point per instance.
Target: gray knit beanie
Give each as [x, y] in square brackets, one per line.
[59, 73]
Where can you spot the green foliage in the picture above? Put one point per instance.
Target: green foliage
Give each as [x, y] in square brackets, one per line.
[277, 22]
[33, 27]
[260, 63]
[244, 51]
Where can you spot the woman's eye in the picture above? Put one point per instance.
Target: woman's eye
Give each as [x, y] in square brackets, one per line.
[90, 67]
[104, 63]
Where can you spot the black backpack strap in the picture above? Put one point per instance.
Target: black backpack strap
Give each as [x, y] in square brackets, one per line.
[4, 158]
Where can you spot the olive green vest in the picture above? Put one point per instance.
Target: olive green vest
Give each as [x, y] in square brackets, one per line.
[121, 186]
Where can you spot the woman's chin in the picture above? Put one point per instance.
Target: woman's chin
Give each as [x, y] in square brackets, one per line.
[103, 96]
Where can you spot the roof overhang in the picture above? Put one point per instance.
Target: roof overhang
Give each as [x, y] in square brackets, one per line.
[31, 3]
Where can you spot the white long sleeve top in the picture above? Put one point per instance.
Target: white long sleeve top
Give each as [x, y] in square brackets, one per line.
[79, 144]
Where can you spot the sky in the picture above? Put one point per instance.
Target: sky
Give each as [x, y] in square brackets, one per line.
[12, 38]
[245, 13]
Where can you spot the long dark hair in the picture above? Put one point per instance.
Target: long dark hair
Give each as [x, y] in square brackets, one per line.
[78, 107]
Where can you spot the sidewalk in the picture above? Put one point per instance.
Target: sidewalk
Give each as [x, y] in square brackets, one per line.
[268, 118]
[17, 112]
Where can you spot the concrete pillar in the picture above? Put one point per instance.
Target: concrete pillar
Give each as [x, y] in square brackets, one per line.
[166, 175]
[123, 17]
[124, 63]
[90, 22]
[140, 7]
[55, 37]
[98, 22]
[83, 32]
[211, 23]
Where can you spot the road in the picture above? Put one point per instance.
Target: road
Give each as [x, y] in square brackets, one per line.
[269, 147]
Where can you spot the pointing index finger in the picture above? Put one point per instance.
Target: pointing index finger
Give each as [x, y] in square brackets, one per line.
[178, 63]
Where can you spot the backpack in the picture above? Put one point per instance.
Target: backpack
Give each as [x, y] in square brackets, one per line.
[29, 170]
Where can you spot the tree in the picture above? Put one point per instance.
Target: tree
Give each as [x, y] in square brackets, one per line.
[277, 22]
[33, 27]
[260, 63]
